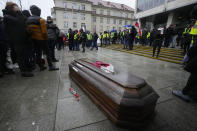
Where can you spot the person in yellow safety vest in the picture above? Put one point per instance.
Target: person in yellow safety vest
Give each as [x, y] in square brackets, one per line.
[193, 34]
[105, 38]
[76, 41]
[112, 37]
[108, 38]
[185, 41]
[67, 36]
[101, 39]
[148, 38]
[89, 39]
[189, 92]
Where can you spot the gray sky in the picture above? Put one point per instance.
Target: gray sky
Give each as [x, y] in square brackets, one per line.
[46, 5]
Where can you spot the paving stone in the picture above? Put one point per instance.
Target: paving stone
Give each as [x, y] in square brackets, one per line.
[72, 114]
[41, 123]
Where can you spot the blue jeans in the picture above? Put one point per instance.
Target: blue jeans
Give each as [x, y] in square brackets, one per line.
[76, 45]
[94, 44]
[174, 40]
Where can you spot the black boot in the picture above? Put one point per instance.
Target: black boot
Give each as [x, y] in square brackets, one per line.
[52, 68]
[27, 74]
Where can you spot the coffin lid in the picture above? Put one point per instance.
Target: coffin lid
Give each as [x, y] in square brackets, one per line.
[125, 79]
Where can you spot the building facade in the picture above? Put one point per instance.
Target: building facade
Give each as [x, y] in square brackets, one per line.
[163, 12]
[92, 15]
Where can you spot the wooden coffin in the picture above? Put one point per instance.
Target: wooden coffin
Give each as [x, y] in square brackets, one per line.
[125, 98]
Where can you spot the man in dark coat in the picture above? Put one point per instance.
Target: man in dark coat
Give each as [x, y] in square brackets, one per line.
[83, 38]
[3, 49]
[131, 38]
[70, 38]
[17, 35]
[158, 39]
[53, 33]
[94, 41]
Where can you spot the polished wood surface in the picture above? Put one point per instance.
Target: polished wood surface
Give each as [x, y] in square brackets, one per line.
[126, 99]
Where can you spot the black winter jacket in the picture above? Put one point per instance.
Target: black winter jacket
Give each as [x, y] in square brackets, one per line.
[15, 28]
[53, 31]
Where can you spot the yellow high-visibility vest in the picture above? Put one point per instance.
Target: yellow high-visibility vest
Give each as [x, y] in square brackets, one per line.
[104, 35]
[107, 35]
[148, 35]
[89, 36]
[76, 36]
[68, 35]
[194, 29]
[101, 36]
[112, 35]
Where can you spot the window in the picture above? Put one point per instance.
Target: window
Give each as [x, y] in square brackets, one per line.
[74, 6]
[82, 16]
[94, 11]
[114, 21]
[120, 14]
[108, 12]
[108, 20]
[101, 20]
[74, 15]
[65, 24]
[83, 7]
[126, 22]
[65, 5]
[114, 13]
[120, 22]
[143, 5]
[74, 24]
[101, 12]
[126, 15]
[65, 15]
[94, 19]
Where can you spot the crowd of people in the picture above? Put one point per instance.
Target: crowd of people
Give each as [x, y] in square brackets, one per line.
[27, 37]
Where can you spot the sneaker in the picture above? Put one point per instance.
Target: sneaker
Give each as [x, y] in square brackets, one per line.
[52, 68]
[15, 66]
[9, 71]
[179, 94]
[27, 74]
